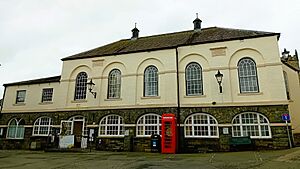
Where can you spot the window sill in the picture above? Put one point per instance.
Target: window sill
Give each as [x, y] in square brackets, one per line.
[36, 135]
[250, 94]
[45, 103]
[113, 99]
[79, 101]
[19, 104]
[150, 97]
[111, 136]
[201, 136]
[194, 96]
[15, 138]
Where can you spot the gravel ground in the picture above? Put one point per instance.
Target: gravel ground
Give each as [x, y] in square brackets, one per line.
[287, 159]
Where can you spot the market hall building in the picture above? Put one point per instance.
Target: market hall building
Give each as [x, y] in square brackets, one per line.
[220, 84]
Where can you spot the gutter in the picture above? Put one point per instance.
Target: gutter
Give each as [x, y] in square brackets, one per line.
[178, 101]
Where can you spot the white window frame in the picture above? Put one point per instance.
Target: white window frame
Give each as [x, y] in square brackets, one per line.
[81, 86]
[248, 84]
[114, 84]
[18, 101]
[47, 95]
[39, 125]
[259, 124]
[151, 79]
[17, 130]
[194, 87]
[193, 125]
[119, 125]
[66, 121]
[144, 125]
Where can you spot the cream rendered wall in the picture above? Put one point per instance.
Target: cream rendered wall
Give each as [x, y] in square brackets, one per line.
[264, 51]
[132, 68]
[33, 98]
[294, 106]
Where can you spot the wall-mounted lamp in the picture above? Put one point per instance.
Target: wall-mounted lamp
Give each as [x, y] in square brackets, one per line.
[219, 77]
[91, 85]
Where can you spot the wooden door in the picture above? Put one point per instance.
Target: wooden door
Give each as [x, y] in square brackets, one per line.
[77, 131]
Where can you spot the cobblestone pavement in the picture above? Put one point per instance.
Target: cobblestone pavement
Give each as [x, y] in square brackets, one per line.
[287, 159]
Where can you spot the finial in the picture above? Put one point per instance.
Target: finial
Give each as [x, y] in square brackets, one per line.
[296, 53]
[197, 15]
[135, 25]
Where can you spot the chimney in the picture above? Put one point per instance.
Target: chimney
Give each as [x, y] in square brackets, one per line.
[135, 33]
[197, 23]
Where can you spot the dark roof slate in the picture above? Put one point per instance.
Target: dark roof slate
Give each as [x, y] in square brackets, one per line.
[171, 40]
[35, 81]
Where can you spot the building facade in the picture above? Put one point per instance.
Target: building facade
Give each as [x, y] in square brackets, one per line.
[137, 80]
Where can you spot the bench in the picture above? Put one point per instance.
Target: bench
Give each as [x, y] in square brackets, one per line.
[241, 143]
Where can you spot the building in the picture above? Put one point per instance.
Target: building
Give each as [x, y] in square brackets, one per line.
[132, 82]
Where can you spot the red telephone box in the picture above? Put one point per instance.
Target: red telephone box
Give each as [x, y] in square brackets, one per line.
[168, 134]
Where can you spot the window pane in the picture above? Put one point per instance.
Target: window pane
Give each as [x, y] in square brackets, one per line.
[81, 86]
[193, 77]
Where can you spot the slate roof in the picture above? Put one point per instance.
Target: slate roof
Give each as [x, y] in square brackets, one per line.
[171, 40]
[35, 81]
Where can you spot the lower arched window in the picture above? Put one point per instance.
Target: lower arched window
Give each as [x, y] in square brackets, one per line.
[111, 125]
[251, 124]
[201, 125]
[42, 126]
[16, 129]
[148, 124]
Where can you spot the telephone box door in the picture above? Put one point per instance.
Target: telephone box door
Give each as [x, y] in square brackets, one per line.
[168, 128]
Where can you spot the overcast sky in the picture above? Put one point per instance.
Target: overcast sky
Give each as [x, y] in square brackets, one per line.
[36, 34]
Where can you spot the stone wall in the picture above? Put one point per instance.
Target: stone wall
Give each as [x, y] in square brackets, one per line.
[130, 142]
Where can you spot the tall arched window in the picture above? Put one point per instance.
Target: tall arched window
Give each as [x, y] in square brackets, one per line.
[247, 75]
[201, 125]
[15, 129]
[80, 86]
[42, 126]
[114, 84]
[193, 78]
[251, 124]
[151, 81]
[111, 125]
[148, 124]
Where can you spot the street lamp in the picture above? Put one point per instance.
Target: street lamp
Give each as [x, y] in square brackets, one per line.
[219, 77]
[91, 85]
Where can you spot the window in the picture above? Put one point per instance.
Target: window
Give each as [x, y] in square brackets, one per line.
[42, 126]
[193, 77]
[80, 86]
[148, 124]
[286, 82]
[67, 126]
[114, 84]
[201, 125]
[111, 125]
[47, 95]
[21, 96]
[247, 75]
[251, 124]
[16, 129]
[151, 81]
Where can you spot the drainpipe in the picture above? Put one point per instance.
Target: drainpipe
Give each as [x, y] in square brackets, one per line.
[178, 102]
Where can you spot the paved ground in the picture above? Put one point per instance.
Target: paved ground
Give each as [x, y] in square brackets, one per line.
[285, 159]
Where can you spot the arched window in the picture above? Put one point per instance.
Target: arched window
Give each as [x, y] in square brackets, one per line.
[193, 78]
[42, 126]
[201, 125]
[114, 84]
[286, 82]
[151, 81]
[16, 129]
[247, 75]
[148, 124]
[80, 86]
[251, 124]
[111, 125]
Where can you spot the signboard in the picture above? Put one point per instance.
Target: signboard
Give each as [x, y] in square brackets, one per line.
[285, 117]
[66, 141]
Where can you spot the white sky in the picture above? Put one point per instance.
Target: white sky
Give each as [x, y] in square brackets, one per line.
[36, 34]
